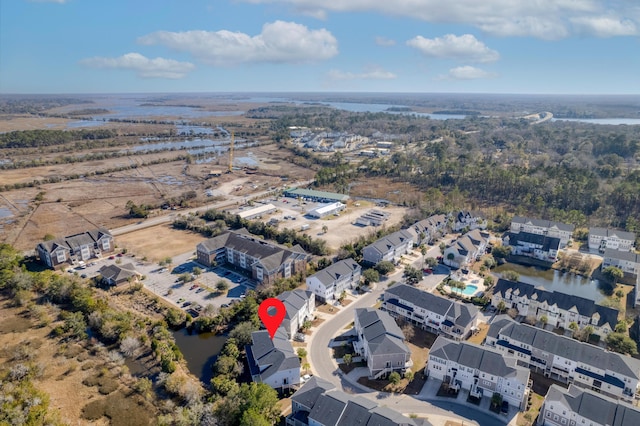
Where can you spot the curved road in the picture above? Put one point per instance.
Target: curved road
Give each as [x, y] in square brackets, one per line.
[324, 366]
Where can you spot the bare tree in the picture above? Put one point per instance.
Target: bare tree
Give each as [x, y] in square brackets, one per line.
[129, 346]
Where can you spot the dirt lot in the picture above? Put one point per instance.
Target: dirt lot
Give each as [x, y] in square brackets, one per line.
[159, 242]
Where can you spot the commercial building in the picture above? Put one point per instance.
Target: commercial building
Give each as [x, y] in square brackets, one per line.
[326, 210]
[257, 212]
[317, 196]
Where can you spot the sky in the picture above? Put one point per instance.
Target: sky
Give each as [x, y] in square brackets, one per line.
[465, 46]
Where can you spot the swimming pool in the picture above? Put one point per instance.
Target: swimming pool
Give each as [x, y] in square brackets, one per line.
[470, 290]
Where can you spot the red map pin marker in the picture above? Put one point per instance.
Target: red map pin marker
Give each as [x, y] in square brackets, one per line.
[271, 313]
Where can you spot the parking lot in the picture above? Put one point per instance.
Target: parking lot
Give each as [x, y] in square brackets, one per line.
[166, 282]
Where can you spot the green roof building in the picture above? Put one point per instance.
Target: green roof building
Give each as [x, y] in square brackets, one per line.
[319, 196]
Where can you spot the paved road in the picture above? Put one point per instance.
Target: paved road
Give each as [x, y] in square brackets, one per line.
[323, 365]
[230, 200]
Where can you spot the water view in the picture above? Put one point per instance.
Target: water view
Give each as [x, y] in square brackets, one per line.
[200, 351]
[554, 280]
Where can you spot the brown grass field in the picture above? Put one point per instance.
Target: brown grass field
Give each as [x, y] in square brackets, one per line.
[159, 242]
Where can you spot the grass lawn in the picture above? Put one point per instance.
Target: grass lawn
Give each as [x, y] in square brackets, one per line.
[478, 338]
[404, 386]
[342, 350]
[527, 418]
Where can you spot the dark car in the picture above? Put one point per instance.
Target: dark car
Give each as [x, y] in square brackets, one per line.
[185, 304]
[504, 408]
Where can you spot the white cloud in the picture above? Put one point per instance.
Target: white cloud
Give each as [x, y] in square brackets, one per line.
[465, 47]
[536, 18]
[373, 74]
[279, 42]
[604, 26]
[467, 72]
[143, 66]
[383, 41]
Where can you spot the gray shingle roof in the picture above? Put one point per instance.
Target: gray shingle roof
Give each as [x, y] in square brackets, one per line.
[604, 232]
[463, 314]
[586, 307]
[595, 407]
[547, 243]
[381, 332]
[543, 223]
[270, 255]
[391, 241]
[294, 301]
[118, 273]
[622, 255]
[334, 407]
[309, 393]
[479, 357]
[267, 356]
[73, 242]
[334, 272]
[564, 346]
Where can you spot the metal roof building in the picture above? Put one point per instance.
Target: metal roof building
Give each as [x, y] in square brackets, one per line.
[320, 196]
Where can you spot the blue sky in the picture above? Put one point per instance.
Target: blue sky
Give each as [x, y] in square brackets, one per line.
[490, 46]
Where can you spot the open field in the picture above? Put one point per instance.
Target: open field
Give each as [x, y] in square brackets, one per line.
[159, 242]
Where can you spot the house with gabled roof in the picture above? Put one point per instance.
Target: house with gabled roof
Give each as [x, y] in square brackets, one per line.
[300, 305]
[118, 274]
[567, 360]
[265, 262]
[391, 248]
[480, 370]
[537, 246]
[560, 309]
[601, 239]
[380, 342]
[430, 311]
[628, 262]
[74, 248]
[468, 220]
[466, 249]
[318, 403]
[328, 283]
[579, 406]
[427, 230]
[273, 361]
[563, 231]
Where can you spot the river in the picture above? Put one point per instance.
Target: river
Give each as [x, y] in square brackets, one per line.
[200, 351]
[554, 280]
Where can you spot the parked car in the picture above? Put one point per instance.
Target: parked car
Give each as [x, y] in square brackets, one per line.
[299, 337]
[185, 304]
[427, 271]
[200, 290]
[504, 408]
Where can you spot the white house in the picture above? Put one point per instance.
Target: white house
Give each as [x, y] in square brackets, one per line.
[576, 406]
[466, 249]
[537, 246]
[543, 227]
[431, 312]
[380, 342]
[390, 248]
[468, 220]
[629, 262]
[601, 239]
[427, 230]
[480, 370]
[273, 361]
[566, 359]
[328, 283]
[559, 309]
[300, 305]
